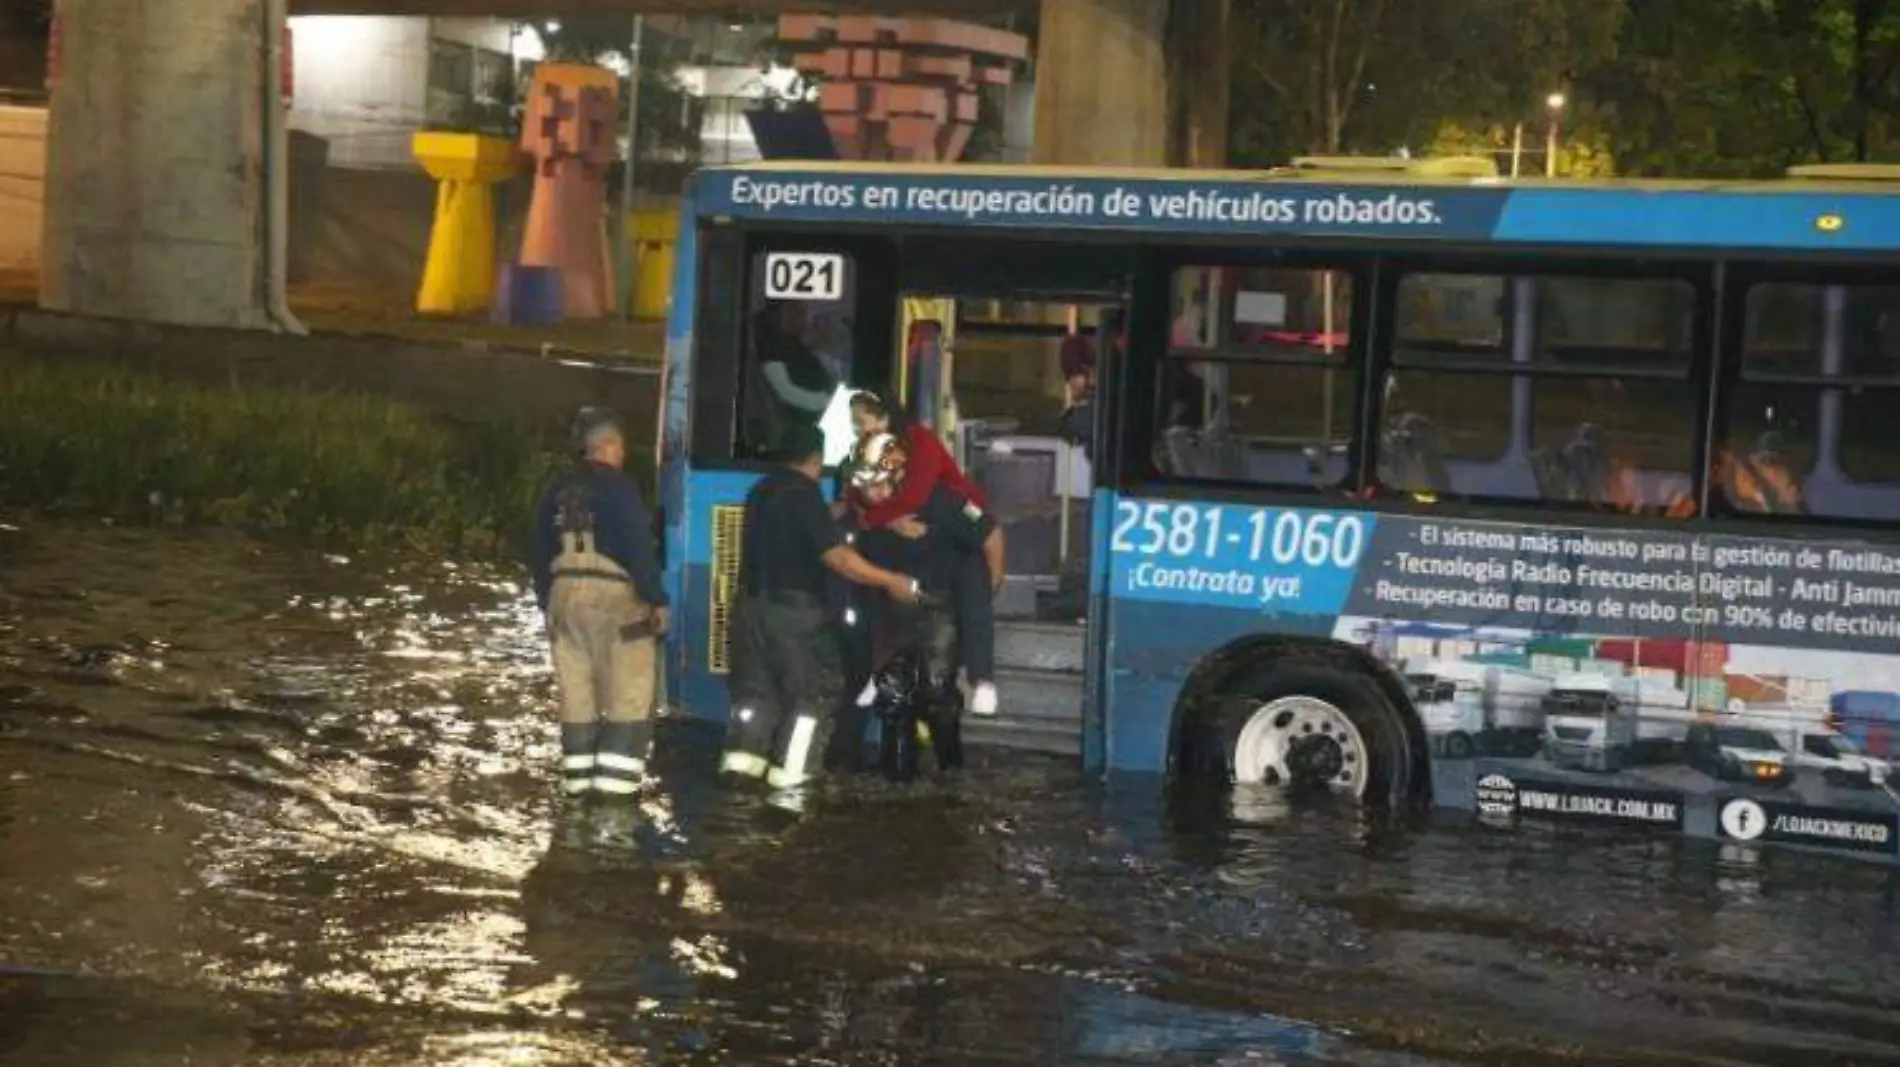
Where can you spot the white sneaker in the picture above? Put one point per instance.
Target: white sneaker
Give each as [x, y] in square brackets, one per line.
[983, 699]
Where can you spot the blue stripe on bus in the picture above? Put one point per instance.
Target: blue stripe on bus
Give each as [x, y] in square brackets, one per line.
[1770, 218]
[1804, 221]
[1211, 207]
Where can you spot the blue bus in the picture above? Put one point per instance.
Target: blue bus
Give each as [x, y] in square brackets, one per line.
[1330, 404]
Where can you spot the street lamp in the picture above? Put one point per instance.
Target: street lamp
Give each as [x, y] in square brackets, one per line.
[1555, 102]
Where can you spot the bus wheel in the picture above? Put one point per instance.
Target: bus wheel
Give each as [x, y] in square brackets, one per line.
[1303, 728]
[1459, 746]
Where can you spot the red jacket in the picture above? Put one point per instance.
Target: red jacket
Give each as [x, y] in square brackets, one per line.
[928, 464]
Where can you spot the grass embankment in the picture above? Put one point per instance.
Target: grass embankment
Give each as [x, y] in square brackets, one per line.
[352, 469]
[366, 311]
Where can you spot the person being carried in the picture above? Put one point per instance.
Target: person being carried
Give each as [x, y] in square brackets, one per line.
[787, 679]
[936, 547]
[597, 579]
[928, 467]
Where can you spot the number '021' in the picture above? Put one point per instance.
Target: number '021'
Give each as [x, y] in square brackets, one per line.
[803, 275]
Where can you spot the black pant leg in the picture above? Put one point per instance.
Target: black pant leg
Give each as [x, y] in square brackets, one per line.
[976, 619]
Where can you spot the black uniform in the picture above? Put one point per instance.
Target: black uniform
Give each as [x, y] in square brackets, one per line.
[920, 682]
[787, 672]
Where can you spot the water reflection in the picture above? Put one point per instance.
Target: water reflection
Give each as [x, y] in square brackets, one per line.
[292, 809]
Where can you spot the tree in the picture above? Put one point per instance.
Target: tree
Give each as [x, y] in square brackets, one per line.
[1746, 88]
[1680, 88]
[1308, 58]
[1371, 76]
[1584, 151]
[26, 18]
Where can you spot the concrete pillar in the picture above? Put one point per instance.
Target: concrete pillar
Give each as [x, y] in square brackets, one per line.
[155, 191]
[1200, 81]
[1102, 83]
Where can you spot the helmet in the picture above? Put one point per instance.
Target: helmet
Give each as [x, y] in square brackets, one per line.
[590, 422]
[878, 460]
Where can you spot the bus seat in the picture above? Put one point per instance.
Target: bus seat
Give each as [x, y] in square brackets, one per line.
[1412, 455]
[1553, 478]
[1180, 448]
[1227, 457]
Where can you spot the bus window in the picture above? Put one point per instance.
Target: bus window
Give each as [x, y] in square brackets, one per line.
[1782, 329]
[1613, 323]
[1798, 441]
[1461, 315]
[1588, 402]
[1258, 385]
[798, 350]
[1435, 419]
[1870, 446]
[1432, 419]
[1193, 323]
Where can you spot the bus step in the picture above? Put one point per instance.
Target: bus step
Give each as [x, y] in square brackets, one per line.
[1040, 646]
[1039, 696]
[1024, 736]
[1018, 596]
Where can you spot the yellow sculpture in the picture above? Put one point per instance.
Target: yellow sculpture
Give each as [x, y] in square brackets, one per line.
[459, 277]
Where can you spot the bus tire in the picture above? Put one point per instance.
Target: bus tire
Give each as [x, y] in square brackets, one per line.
[1460, 746]
[1315, 708]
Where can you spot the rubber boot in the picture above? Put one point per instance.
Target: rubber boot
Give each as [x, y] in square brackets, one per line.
[748, 741]
[580, 742]
[620, 766]
[946, 723]
[801, 751]
[898, 754]
[898, 691]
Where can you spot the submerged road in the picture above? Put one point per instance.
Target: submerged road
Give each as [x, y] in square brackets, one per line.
[274, 808]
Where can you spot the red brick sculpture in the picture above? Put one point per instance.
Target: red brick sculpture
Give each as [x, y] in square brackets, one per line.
[904, 89]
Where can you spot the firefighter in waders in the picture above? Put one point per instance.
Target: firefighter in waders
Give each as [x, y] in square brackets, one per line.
[788, 676]
[597, 579]
[943, 546]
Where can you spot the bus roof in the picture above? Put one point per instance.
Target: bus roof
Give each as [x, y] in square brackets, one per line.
[1819, 210]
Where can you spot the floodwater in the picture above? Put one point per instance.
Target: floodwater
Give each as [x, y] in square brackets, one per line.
[270, 808]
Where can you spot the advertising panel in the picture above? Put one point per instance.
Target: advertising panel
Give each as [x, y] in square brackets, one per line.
[1741, 688]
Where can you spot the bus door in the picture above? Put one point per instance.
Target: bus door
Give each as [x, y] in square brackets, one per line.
[1019, 406]
[988, 374]
[989, 319]
[787, 324]
[986, 368]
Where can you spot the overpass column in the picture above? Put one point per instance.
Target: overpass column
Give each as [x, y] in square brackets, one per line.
[156, 203]
[1102, 83]
[1200, 83]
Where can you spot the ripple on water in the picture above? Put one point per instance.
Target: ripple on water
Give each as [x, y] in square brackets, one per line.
[302, 799]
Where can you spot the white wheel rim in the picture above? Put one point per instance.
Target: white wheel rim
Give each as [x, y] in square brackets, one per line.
[1270, 734]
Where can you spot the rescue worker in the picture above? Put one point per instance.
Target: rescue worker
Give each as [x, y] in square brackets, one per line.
[597, 579]
[788, 671]
[937, 547]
